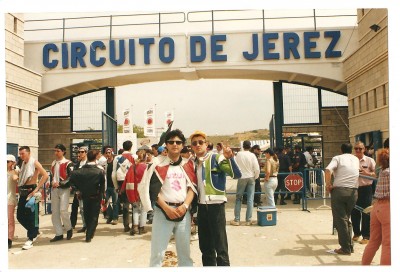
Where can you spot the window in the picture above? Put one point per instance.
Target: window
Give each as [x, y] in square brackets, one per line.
[20, 118]
[30, 119]
[384, 94]
[367, 101]
[375, 99]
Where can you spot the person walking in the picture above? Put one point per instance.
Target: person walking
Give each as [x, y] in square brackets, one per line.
[111, 192]
[121, 166]
[285, 166]
[90, 181]
[61, 170]
[12, 178]
[27, 188]
[343, 194]
[250, 170]
[77, 201]
[380, 215]
[171, 183]
[364, 200]
[271, 169]
[211, 171]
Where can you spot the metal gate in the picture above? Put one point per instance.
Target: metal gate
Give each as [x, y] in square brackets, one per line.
[109, 131]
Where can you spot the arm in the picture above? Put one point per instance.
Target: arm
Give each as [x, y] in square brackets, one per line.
[256, 168]
[328, 180]
[44, 176]
[114, 174]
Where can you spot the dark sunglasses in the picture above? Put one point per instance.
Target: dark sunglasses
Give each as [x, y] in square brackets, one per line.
[82, 151]
[9, 161]
[357, 148]
[174, 142]
[200, 142]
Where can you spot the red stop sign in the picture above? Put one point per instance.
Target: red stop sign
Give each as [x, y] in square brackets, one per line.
[294, 182]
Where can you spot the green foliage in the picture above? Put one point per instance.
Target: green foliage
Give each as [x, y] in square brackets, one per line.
[136, 129]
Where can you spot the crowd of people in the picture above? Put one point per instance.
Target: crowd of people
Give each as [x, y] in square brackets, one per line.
[176, 185]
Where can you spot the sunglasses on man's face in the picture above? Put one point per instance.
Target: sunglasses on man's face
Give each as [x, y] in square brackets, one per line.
[174, 142]
[199, 142]
[82, 151]
[358, 148]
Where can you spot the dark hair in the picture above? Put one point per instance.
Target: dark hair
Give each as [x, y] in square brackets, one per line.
[25, 147]
[175, 133]
[210, 146]
[219, 144]
[92, 154]
[127, 145]
[309, 148]
[154, 146]
[297, 147]
[185, 149]
[120, 151]
[386, 143]
[280, 149]
[346, 148]
[246, 145]
[103, 150]
[272, 153]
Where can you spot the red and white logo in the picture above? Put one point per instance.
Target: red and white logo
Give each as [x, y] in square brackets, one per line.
[294, 182]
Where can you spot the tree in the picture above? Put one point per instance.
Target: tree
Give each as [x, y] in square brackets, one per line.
[136, 129]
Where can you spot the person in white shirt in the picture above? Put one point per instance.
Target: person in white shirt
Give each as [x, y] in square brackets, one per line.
[344, 195]
[248, 165]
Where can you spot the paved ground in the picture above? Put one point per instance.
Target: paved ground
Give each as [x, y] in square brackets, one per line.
[300, 238]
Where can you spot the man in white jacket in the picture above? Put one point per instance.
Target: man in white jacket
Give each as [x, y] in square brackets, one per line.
[248, 165]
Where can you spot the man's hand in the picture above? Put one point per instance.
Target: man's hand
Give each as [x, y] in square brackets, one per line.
[227, 151]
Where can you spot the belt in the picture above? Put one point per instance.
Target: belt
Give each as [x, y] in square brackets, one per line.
[174, 204]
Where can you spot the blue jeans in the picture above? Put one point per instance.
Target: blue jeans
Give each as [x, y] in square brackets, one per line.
[270, 187]
[161, 233]
[241, 186]
[110, 192]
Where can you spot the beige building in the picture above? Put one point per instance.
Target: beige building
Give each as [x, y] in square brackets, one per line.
[23, 88]
[366, 75]
[365, 72]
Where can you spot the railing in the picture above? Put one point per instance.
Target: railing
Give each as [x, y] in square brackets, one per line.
[263, 18]
[158, 19]
[260, 17]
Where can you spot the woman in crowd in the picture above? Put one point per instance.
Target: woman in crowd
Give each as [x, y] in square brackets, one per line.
[271, 169]
[12, 177]
[380, 215]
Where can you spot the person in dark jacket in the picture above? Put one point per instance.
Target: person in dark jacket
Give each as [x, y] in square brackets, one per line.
[90, 181]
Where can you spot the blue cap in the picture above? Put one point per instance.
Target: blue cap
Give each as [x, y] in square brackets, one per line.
[160, 149]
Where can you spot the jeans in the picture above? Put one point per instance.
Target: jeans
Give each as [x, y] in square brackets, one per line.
[270, 187]
[343, 201]
[138, 215]
[161, 233]
[111, 192]
[361, 219]
[380, 234]
[213, 240]
[241, 186]
[59, 210]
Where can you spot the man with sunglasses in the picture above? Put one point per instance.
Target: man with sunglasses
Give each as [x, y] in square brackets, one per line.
[77, 201]
[171, 183]
[367, 168]
[211, 170]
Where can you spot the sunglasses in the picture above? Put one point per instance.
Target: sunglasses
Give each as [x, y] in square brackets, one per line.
[358, 148]
[174, 142]
[9, 161]
[200, 142]
[82, 151]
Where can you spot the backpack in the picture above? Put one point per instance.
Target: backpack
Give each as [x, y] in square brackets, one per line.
[123, 164]
[127, 167]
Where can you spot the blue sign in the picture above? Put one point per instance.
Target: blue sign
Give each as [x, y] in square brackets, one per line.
[78, 54]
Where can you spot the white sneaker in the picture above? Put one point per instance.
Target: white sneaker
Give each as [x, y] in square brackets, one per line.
[28, 244]
[38, 235]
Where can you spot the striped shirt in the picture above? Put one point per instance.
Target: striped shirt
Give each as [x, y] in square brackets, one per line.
[382, 190]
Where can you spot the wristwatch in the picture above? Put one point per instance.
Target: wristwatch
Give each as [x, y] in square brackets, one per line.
[186, 205]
